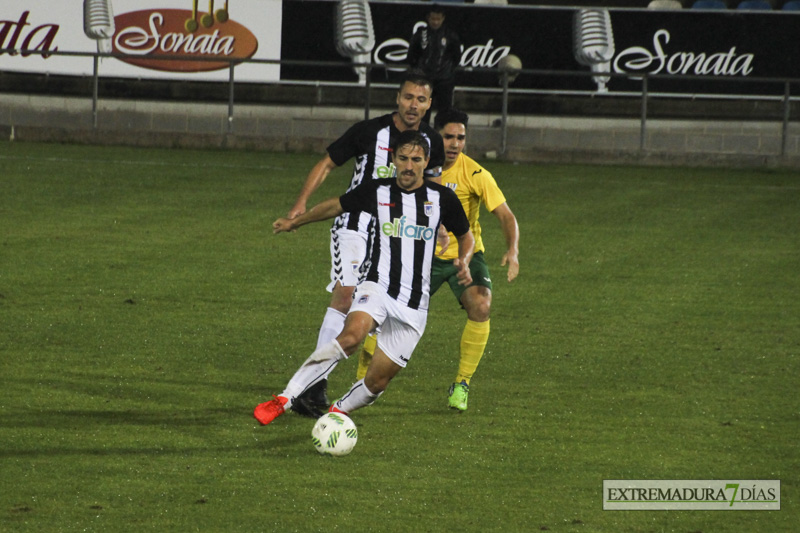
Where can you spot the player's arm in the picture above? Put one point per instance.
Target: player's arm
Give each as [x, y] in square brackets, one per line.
[443, 238]
[508, 222]
[313, 181]
[330, 208]
[433, 173]
[456, 221]
[466, 246]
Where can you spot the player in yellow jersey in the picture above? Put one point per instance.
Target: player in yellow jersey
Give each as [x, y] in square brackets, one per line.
[473, 185]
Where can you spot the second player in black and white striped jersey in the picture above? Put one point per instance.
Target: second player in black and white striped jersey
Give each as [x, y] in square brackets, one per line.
[369, 142]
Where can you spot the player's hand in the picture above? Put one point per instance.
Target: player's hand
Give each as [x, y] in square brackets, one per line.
[297, 210]
[464, 276]
[443, 239]
[281, 225]
[511, 260]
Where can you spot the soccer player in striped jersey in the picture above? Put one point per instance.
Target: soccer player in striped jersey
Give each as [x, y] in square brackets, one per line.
[368, 143]
[473, 185]
[395, 292]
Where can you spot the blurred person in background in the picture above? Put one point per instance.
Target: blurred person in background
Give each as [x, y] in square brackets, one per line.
[436, 50]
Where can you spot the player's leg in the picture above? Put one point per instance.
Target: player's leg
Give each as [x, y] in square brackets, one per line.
[365, 355]
[335, 314]
[347, 252]
[365, 391]
[348, 249]
[474, 337]
[318, 366]
[400, 334]
[477, 301]
[313, 402]
[440, 271]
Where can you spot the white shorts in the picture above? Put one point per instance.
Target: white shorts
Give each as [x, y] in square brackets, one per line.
[400, 327]
[348, 250]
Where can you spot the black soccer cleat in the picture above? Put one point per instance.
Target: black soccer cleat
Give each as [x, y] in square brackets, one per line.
[303, 407]
[313, 403]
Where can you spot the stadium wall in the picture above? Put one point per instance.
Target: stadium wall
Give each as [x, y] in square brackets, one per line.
[154, 92]
[530, 138]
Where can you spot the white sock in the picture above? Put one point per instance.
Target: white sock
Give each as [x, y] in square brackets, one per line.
[359, 396]
[332, 325]
[317, 367]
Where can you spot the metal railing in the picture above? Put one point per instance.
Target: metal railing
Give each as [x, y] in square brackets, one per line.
[505, 90]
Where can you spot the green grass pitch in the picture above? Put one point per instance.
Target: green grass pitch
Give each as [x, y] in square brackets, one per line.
[146, 308]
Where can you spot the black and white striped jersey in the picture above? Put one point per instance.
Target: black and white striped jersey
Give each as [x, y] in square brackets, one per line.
[404, 239]
[369, 142]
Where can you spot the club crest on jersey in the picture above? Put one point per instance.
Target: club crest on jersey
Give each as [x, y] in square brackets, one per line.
[451, 185]
[428, 208]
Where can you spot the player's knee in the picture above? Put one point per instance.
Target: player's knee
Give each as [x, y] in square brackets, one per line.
[349, 341]
[341, 298]
[479, 309]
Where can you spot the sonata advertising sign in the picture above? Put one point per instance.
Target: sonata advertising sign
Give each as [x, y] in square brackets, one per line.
[615, 47]
[159, 38]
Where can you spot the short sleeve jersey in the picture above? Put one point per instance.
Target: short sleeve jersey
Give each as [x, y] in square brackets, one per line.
[404, 240]
[472, 184]
[369, 142]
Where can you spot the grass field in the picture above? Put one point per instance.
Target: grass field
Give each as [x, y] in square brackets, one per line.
[146, 308]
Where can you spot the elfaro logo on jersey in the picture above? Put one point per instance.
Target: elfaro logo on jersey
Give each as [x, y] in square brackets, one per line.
[399, 228]
[385, 171]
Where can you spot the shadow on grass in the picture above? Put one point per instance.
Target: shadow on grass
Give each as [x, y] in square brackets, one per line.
[232, 425]
[142, 382]
[90, 419]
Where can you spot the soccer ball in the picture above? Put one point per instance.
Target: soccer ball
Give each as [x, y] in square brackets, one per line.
[334, 434]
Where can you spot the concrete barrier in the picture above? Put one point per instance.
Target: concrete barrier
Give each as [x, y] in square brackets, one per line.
[311, 128]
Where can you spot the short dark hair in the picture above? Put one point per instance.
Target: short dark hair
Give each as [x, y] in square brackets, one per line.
[411, 138]
[448, 116]
[415, 76]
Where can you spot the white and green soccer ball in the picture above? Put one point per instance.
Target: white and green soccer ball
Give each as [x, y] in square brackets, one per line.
[334, 434]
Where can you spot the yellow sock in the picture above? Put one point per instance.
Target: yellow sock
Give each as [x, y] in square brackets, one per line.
[473, 344]
[365, 356]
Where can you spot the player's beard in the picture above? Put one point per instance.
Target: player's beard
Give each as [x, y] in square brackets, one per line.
[407, 180]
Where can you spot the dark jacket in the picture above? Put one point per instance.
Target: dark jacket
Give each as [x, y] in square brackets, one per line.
[436, 52]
